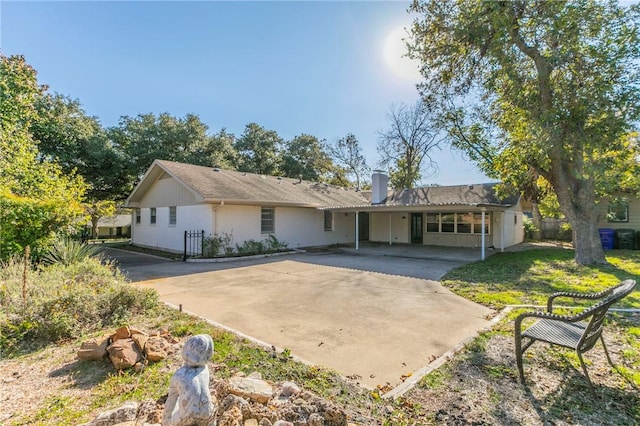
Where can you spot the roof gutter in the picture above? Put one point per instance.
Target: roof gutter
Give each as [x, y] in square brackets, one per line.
[258, 203]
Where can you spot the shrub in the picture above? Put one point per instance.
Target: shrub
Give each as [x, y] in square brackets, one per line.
[67, 252]
[273, 245]
[213, 245]
[530, 228]
[63, 301]
[250, 247]
[566, 233]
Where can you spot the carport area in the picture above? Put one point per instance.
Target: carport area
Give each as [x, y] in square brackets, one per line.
[368, 316]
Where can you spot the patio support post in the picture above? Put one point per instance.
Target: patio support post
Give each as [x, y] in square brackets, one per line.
[389, 228]
[502, 234]
[483, 229]
[357, 230]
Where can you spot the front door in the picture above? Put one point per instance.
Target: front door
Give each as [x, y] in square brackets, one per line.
[363, 226]
[416, 228]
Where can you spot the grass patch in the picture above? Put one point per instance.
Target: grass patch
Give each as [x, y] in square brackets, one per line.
[529, 277]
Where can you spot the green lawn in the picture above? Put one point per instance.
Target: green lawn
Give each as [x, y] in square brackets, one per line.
[529, 277]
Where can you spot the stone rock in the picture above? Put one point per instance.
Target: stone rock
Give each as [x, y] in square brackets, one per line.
[189, 402]
[94, 349]
[121, 333]
[254, 389]
[149, 411]
[315, 420]
[283, 423]
[251, 422]
[334, 416]
[289, 389]
[231, 417]
[265, 422]
[124, 353]
[157, 348]
[125, 413]
[140, 339]
[231, 401]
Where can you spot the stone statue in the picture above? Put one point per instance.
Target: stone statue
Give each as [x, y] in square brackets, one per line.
[189, 402]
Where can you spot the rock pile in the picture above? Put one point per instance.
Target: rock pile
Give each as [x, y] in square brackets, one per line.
[243, 401]
[129, 347]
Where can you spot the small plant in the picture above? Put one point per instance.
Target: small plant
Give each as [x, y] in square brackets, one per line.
[250, 247]
[273, 245]
[67, 251]
[213, 246]
[530, 228]
[566, 233]
[226, 238]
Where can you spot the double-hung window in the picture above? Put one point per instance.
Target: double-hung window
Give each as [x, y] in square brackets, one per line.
[328, 220]
[268, 220]
[152, 215]
[173, 215]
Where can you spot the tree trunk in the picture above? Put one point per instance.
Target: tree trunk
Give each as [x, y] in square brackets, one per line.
[577, 202]
[537, 221]
[94, 227]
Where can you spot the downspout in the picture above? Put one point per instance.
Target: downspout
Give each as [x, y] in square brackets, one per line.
[390, 228]
[483, 236]
[357, 230]
[215, 209]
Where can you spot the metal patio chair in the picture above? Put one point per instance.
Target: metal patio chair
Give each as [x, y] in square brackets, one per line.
[579, 332]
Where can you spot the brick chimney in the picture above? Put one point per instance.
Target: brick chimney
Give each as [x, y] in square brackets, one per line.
[379, 183]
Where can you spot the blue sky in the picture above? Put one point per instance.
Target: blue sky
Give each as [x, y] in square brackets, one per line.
[323, 68]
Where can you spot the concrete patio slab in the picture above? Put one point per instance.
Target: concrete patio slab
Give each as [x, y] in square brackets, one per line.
[378, 320]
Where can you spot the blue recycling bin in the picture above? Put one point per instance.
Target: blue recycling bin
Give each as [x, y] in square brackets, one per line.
[607, 238]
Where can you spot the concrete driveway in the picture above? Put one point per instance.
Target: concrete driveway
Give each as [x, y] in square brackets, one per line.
[370, 316]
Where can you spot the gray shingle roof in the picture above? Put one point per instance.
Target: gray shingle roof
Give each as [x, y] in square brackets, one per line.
[216, 185]
[468, 195]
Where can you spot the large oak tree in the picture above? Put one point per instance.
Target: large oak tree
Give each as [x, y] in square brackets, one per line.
[545, 88]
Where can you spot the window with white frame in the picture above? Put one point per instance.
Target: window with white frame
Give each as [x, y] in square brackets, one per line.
[618, 210]
[152, 215]
[268, 220]
[138, 216]
[328, 220]
[433, 222]
[173, 215]
[459, 223]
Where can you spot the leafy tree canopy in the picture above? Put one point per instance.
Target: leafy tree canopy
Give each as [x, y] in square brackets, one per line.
[259, 150]
[37, 199]
[536, 88]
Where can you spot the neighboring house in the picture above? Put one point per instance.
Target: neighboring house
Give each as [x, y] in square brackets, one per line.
[621, 211]
[116, 226]
[174, 197]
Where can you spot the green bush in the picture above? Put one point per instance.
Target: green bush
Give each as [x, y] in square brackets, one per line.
[61, 301]
[566, 233]
[250, 247]
[213, 245]
[530, 228]
[67, 252]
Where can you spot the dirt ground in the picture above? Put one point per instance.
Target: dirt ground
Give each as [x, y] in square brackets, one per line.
[477, 387]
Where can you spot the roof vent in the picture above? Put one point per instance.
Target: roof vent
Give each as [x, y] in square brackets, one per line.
[244, 174]
[470, 186]
[216, 169]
